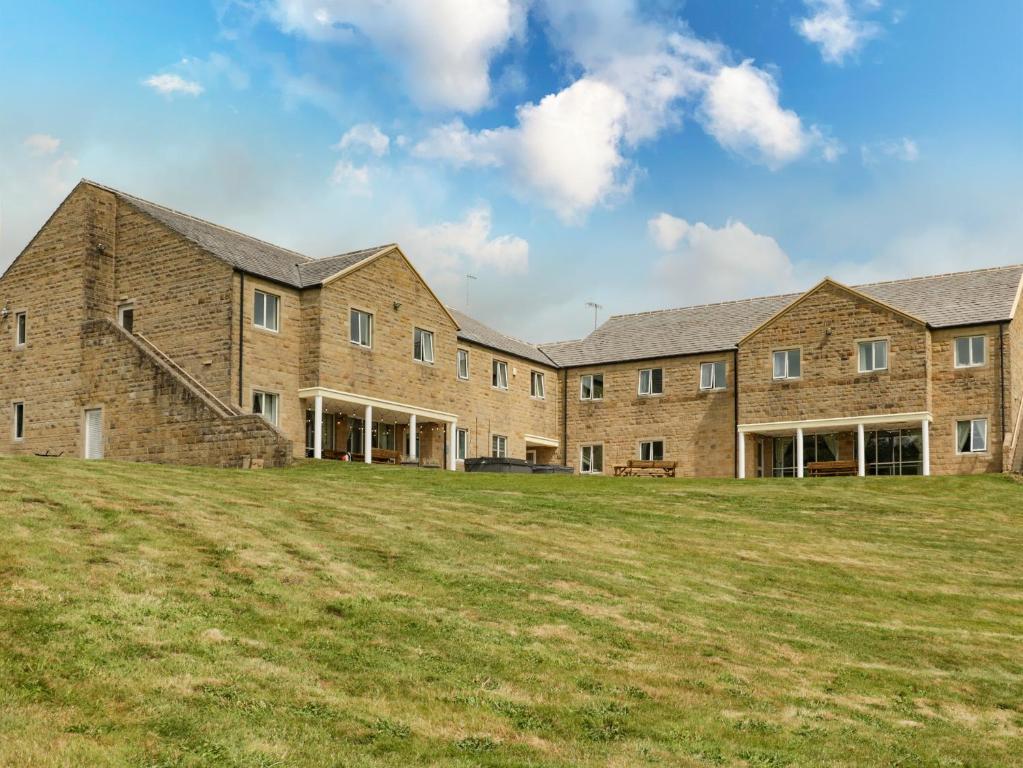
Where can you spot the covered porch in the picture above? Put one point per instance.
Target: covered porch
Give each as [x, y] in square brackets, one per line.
[369, 429]
[876, 444]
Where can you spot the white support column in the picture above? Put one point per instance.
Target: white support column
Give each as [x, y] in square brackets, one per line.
[453, 445]
[367, 435]
[861, 451]
[799, 452]
[926, 433]
[742, 455]
[318, 427]
[412, 436]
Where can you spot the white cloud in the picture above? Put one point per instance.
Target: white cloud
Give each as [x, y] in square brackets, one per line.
[365, 135]
[904, 149]
[835, 30]
[702, 263]
[443, 47]
[41, 144]
[169, 84]
[354, 178]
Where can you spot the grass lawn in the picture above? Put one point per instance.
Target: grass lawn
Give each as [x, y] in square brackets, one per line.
[346, 615]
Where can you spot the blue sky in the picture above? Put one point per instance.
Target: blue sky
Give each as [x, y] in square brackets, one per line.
[640, 155]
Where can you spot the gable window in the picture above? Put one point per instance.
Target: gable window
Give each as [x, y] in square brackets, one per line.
[266, 311]
[712, 375]
[787, 364]
[536, 385]
[265, 404]
[651, 381]
[971, 436]
[361, 328]
[462, 446]
[463, 364]
[591, 459]
[498, 446]
[126, 317]
[20, 329]
[19, 421]
[591, 386]
[422, 345]
[651, 450]
[873, 356]
[499, 375]
[969, 351]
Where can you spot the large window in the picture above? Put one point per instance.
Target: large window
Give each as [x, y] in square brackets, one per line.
[591, 459]
[971, 436]
[969, 351]
[20, 329]
[463, 444]
[361, 328]
[536, 385]
[815, 448]
[499, 446]
[266, 311]
[422, 345]
[651, 450]
[265, 404]
[894, 452]
[651, 381]
[463, 364]
[499, 374]
[787, 364]
[873, 355]
[591, 386]
[19, 421]
[712, 375]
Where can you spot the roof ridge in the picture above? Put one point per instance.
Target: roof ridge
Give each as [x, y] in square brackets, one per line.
[701, 306]
[507, 336]
[940, 274]
[207, 222]
[374, 248]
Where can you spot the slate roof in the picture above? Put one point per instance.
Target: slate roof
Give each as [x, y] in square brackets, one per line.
[316, 271]
[473, 330]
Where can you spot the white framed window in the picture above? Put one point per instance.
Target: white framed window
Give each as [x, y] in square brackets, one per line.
[873, 355]
[536, 385]
[126, 316]
[498, 446]
[499, 375]
[18, 427]
[422, 345]
[591, 386]
[266, 311]
[265, 404]
[787, 364]
[360, 328]
[651, 381]
[971, 436]
[712, 375]
[462, 445]
[651, 450]
[591, 459]
[463, 364]
[20, 329]
[970, 351]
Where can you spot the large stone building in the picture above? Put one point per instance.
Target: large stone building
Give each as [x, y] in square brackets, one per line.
[137, 332]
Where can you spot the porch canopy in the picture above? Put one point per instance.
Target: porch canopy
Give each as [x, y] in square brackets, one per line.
[918, 420]
[372, 408]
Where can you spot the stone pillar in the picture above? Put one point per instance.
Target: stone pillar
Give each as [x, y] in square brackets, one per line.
[799, 452]
[861, 451]
[453, 446]
[925, 432]
[742, 455]
[412, 432]
[318, 427]
[367, 435]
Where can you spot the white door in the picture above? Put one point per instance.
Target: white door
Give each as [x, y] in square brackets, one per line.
[94, 433]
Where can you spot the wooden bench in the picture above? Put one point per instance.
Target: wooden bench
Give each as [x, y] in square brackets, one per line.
[380, 456]
[646, 468]
[832, 468]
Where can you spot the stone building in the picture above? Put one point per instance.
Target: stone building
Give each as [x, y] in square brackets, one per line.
[140, 333]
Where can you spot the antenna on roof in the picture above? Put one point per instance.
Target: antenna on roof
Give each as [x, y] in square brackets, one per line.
[468, 281]
[596, 307]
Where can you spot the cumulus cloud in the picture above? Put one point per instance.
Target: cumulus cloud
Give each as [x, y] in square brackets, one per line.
[365, 136]
[355, 179]
[701, 263]
[170, 84]
[834, 28]
[904, 149]
[41, 144]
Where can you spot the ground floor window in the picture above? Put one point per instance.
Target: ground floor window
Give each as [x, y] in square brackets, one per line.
[591, 459]
[499, 446]
[971, 436]
[382, 435]
[19, 421]
[328, 432]
[815, 448]
[651, 450]
[265, 404]
[463, 444]
[894, 452]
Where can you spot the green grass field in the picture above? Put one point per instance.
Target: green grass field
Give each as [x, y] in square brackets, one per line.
[345, 615]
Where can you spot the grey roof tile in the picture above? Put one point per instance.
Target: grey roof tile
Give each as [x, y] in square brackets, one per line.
[316, 271]
[473, 330]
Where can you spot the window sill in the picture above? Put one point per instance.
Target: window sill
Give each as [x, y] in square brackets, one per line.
[591, 399]
[652, 394]
[538, 399]
[712, 390]
[261, 329]
[499, 389]
[363, 347]
[428, 364]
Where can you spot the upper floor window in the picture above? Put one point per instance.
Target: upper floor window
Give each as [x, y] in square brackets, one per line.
[873, 355]
[361, 328]
[651, 381]
[422, 345]
[651, 450]
[126, 316]
[499, 378]
[591, 459]
[591, 386]
[499, 446]
[787, 364]
[536, 385]
[266, 311]
[265, 404]
[969, 351]
[463, 444]
[19, 421]
[712, 375]
[971, 436]
[20, 329]
[463, 364]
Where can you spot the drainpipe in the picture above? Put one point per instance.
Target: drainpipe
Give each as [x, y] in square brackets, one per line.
[564, 417]
[1001, 376]
[241, 344]
[735, 384]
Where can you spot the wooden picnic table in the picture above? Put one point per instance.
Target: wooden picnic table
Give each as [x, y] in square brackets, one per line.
[646, 468]
[832, 468]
